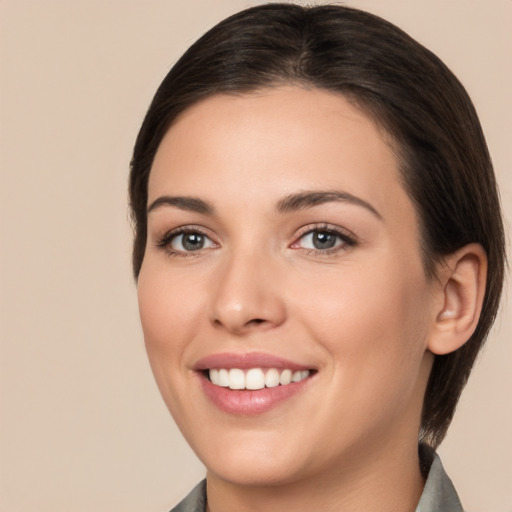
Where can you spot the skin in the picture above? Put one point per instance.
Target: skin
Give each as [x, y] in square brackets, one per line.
[362, 314]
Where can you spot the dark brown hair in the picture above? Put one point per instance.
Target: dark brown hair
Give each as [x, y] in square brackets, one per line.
[444, 162]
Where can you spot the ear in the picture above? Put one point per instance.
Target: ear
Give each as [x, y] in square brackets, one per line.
[462, 278]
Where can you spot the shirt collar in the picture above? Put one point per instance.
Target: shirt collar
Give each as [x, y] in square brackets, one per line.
[438, 495]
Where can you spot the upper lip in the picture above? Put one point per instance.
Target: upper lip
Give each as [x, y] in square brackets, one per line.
[248, 360]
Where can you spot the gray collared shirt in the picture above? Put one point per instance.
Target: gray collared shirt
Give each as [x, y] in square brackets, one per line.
[438, 494]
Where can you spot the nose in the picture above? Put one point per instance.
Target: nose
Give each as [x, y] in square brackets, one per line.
[248, 295]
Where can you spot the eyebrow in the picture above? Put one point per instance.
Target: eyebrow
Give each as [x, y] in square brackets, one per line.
[303, 200]
[192, 204]
[289, 203]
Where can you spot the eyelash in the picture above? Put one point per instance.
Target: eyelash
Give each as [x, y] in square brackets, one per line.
[165, 242]
[347, 239]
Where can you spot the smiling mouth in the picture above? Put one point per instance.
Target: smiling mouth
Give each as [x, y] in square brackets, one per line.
[254, 378]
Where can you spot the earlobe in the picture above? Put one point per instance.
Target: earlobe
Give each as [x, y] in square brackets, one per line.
[463, 278]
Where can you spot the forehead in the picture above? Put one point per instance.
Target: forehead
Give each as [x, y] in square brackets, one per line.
[273, 142]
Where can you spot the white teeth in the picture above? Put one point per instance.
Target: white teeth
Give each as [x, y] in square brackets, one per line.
[236, 379]
[285, 377]
[272, 378]
[223, 378]
[255, 378]
[220, 377]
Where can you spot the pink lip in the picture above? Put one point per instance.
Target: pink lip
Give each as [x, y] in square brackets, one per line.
[248, 402]
[247, 360]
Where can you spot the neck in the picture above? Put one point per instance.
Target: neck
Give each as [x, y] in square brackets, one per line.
[388, 480]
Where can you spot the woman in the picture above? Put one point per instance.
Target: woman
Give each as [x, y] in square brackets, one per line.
[319, 254]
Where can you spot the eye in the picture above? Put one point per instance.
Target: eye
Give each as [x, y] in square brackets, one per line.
[190, 241]
[323, 240]
[320, 240]
[185, 241]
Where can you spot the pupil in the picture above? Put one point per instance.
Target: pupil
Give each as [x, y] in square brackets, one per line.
[323, 240]
[193, 241]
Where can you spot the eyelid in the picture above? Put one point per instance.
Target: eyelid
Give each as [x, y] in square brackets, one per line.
[349, 238]
[324, 226]
[175, 242]
[164, 242]
[186, 228]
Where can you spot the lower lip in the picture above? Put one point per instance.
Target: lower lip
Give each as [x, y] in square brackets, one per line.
[249, 402]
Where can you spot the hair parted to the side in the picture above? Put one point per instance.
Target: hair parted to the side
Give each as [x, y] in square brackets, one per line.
[444, 162]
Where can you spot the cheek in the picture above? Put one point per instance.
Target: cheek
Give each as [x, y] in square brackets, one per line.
[168, 316]
[169, 311]
[377, 348]
[372, 323]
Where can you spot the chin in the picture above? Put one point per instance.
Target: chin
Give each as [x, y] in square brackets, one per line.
[251, 462]
[255, 472]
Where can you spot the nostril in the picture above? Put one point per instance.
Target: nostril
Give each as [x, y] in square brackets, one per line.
[254, 321]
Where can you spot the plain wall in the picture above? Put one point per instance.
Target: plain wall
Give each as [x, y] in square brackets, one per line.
[82, 427]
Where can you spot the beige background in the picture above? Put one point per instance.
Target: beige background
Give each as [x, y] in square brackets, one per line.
[82, 427]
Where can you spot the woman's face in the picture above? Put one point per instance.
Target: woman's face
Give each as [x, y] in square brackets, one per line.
[281, 245]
